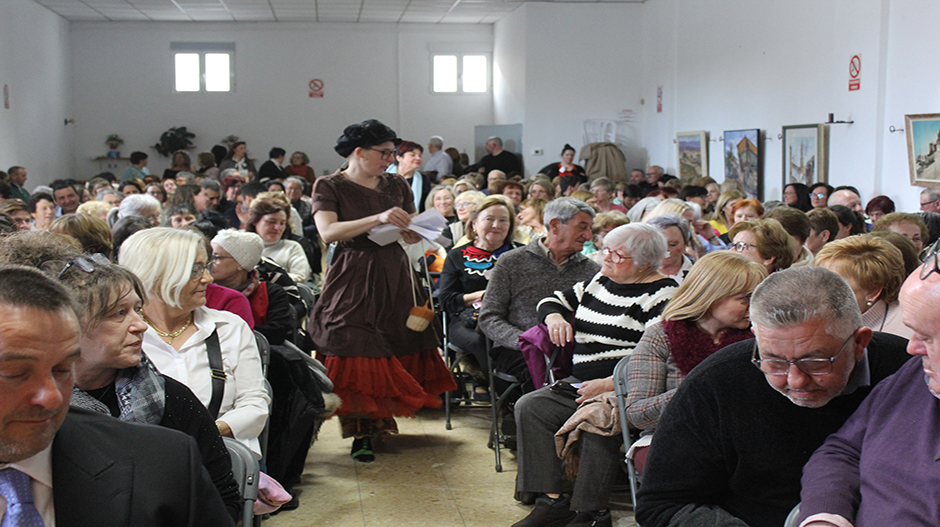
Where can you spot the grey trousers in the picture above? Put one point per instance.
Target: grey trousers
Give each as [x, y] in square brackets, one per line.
[539, 415]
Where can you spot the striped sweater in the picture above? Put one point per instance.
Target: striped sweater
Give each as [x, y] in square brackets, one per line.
[609, 319]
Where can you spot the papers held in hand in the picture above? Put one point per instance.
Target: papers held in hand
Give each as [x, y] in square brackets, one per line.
[428, 225]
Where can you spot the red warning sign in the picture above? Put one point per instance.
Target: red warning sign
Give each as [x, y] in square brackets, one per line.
[855, 73]
[316, 88]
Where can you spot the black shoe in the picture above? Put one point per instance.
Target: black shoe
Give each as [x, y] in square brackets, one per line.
[548, 512]
[362, 450]
[591, 519]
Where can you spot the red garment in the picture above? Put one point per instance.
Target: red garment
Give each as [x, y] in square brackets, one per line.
[224, 299]
[259, 302]
[388, 386]
[303, 171]
[690, 344]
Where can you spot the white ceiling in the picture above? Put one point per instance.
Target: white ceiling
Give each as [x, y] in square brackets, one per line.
[394, 11]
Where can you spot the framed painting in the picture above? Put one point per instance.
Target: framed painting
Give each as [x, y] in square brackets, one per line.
[923, 144]
[744, 160]
[693, 155]
[805, 154]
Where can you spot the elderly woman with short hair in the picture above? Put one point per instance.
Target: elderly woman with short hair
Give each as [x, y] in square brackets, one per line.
[143, 205]
[186, 340]
[874, 269]
[676, 264]
[464, 204]
[763, 241]
[907, 224]
[610, 312]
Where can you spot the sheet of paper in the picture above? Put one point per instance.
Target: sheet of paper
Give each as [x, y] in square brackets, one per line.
[428, 225]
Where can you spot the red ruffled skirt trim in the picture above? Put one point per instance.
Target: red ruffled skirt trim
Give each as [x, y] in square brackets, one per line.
[391, 386]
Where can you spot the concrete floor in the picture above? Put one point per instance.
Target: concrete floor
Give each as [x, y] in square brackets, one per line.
[426, 475]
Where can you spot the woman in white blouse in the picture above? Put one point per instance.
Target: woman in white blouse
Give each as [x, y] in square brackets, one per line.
[171, 264]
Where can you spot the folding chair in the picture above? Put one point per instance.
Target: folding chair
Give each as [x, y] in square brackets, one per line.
[634, 466]
[451, 352]
[264, 349]
[497, 437]
[247, 474]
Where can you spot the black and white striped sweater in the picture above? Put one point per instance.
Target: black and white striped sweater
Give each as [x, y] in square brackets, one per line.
[609, 319]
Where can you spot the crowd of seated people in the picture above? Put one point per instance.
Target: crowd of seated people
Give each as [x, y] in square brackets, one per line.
[636, 267]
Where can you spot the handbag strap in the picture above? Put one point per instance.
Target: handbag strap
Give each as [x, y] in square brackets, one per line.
[214, 351]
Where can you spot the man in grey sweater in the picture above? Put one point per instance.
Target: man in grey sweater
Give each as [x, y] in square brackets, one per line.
[524, 276]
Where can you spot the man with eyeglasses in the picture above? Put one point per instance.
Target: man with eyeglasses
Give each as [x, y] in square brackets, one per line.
[730, 447]
[880, 468]
[930, 200]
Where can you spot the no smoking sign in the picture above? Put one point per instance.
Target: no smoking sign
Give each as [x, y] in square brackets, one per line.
[855, 72]
[316, 88]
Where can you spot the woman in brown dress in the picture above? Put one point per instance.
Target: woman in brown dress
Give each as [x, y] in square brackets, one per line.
[379, 367]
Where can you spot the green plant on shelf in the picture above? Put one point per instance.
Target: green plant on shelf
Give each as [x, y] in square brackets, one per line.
[174, 139]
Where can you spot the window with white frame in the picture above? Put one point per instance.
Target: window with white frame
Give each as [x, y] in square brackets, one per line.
[460, 72]
[203, 67]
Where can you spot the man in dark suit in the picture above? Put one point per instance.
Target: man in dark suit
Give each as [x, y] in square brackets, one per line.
[272, 168]
[103, 471]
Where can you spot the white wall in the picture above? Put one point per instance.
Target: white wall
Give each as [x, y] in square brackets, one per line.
[123, 81]
[34, 65]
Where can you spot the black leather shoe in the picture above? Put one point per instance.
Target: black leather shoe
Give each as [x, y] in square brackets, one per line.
[591, 519]
[362, 450]
[548, 512]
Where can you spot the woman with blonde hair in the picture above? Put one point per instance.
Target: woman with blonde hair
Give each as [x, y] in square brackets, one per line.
[668, 206]
[708, 312]
[90, 231]
[763, 241]
[723, 218]
[463, 206]
[603, 224]
[531, 216]
[874, 269]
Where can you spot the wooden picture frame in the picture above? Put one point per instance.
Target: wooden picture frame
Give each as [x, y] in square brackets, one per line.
[805, 154]
[744, 160]
[923, 144]
[692, 155]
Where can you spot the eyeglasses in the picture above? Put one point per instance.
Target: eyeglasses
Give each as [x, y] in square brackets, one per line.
[819, 195]
[463, 204]
[86, 265]
[198, 270]
[216, 257]
[922, 205]
[615, 257]
[813, 366]
[742, 246]
[931, 263]
[384, 153]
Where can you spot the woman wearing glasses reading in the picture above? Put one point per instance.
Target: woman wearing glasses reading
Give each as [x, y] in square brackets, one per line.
[184, 338]
[380, 367]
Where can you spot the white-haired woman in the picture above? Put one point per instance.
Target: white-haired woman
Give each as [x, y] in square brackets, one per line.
[610, 313]
[185, 339]
[143, 205]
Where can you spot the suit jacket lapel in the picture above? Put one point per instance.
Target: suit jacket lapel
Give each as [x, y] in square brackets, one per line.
[89, 486]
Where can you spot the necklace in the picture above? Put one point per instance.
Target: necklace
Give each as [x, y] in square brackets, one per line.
[168, 335]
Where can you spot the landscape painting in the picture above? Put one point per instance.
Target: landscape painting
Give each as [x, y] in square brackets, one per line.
[923, 143]
[744, 160]
[805, 154]
[693, 155]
